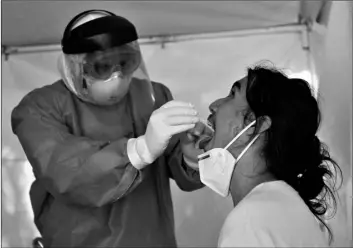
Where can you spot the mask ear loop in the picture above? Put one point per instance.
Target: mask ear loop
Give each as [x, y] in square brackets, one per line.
[206, 155]
[243, 152]
[236, 137]
[247, 147]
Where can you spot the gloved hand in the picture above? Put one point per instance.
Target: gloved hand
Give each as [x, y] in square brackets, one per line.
[191, 143]
[172, 118]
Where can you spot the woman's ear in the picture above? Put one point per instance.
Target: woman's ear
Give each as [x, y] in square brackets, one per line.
[264, 123]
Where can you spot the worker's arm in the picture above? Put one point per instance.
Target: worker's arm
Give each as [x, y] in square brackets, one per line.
[187, 178]
[77, 170]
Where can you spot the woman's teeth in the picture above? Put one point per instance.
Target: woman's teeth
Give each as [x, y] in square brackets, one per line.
[209, 124]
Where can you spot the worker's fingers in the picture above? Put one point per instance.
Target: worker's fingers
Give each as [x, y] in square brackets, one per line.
[198, 129]
[175, 103]
[180, 128]
[178, 111]
[181, 120]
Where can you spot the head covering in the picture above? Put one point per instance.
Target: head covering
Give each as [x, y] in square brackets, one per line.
[101, 57]
[98, 34]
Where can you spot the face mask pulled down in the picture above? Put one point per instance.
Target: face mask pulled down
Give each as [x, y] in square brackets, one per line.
[216, 166]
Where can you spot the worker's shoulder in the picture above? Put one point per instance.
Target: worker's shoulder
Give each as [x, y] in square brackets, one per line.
[47, 91]
[159, 89]
[162, 93]
[159, 86]
[47, 94]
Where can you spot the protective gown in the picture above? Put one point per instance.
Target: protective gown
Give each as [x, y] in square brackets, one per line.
[86, 192]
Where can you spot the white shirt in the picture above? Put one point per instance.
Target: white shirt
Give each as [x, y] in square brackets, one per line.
[272, 215]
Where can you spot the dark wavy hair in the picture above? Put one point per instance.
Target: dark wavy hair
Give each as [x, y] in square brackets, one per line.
[292, 150]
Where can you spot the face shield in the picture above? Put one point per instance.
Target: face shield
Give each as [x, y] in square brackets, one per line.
[104, 77]
[101, 66]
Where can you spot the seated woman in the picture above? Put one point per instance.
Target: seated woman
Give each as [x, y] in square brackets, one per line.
[266, 154]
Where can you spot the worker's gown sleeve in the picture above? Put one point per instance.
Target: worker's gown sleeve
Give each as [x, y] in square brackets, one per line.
[86, 191]
[185, 177]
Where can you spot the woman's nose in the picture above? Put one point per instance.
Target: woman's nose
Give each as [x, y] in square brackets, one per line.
[215, 105]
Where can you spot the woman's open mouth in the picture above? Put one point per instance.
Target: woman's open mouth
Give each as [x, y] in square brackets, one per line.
[211, 122]
[207, 136]
[203, 141]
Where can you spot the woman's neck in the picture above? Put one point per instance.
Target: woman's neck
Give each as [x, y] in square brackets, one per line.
[243, 187]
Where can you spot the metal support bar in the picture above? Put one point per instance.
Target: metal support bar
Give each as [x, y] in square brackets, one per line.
[310, 60]
[162, 40]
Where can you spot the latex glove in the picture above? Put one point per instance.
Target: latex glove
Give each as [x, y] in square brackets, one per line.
[190, 143]
[172, 118]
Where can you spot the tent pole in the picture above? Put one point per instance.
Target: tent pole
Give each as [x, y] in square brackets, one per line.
[307, 47]
[11, 50]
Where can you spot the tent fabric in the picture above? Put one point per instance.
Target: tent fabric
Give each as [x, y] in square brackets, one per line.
[198, 71]
[42, 22]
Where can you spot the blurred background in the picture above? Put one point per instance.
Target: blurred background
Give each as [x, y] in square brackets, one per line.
[198, 49]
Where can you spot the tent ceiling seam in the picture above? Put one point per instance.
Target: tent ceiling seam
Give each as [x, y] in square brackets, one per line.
[163, 39]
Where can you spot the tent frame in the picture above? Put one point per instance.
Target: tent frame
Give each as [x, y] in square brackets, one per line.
[311, 14]
[163, 39]
[304, 29]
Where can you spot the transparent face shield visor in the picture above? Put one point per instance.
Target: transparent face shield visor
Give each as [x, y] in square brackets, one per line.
[105, 77]
[124, 60]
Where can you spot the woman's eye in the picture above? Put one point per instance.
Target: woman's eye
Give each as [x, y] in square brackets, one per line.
[249, 116]
[231, 93]
[237, 84]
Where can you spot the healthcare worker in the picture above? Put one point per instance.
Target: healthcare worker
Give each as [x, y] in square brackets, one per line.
[266, 154]
[104, 141]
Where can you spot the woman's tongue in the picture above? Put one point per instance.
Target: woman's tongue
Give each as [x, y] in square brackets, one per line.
[203, 141]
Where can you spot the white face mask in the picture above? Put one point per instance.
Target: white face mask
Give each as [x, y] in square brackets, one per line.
[110, 91]
[216, 166]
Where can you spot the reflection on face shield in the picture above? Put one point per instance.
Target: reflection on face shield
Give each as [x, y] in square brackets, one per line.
[102, 65]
